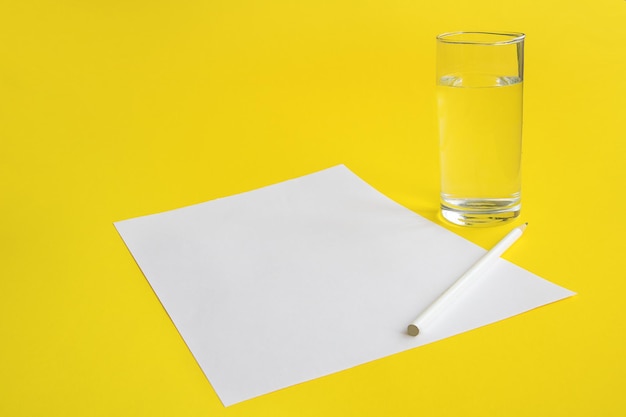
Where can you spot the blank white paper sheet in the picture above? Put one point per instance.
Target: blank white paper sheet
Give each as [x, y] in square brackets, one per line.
[310, 276]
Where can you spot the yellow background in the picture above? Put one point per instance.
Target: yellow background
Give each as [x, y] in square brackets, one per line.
[113, 109]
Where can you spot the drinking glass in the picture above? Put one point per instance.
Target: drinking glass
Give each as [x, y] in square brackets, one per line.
[480, 78]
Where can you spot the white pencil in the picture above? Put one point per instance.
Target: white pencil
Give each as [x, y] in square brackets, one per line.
[455, 289]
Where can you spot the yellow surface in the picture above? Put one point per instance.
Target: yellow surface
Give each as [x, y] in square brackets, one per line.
[114, 109]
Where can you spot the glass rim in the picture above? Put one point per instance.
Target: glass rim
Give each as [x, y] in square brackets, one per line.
[510, 38]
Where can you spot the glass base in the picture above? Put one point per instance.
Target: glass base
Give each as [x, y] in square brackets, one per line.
[480, 212]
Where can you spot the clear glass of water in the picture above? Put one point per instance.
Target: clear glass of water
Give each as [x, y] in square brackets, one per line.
[479, 105]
